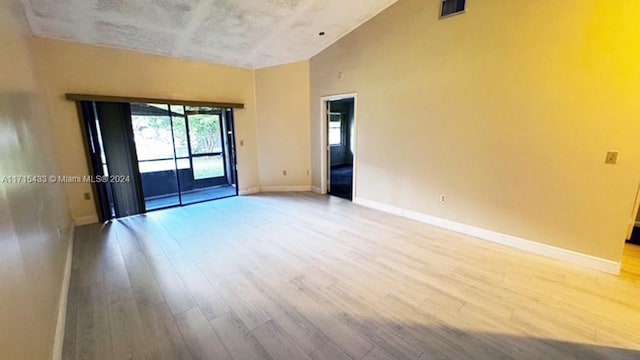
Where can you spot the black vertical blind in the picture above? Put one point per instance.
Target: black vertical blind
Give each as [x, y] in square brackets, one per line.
[117, 136]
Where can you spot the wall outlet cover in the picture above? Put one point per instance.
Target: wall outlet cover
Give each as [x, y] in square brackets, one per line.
[612, 157]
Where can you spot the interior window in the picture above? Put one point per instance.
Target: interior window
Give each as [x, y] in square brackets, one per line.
[335, 129]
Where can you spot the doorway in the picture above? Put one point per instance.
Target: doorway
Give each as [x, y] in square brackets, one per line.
[634, 238]
[158, 155]
[339, 129]
[633, 233]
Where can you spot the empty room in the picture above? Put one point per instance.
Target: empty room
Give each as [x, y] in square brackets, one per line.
[319, 179]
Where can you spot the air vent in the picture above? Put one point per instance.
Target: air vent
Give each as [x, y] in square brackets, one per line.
[452, 7]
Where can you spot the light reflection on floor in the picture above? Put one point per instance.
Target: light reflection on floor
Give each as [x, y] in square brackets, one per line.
[190, 197]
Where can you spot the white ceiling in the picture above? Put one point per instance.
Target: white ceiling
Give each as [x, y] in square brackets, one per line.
[246, 33]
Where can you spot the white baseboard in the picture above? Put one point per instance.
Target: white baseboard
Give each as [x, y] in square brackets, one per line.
[557, 253]
[316, 189]
[286, 188]
[249, 191]
[85, 220]
[64, 296]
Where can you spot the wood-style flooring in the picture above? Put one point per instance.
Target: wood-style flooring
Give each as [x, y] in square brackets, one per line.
[303, 276]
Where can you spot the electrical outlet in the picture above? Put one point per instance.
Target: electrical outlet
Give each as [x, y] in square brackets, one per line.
[443, 199]
[612, 157]
[87, 196]
[284, 172]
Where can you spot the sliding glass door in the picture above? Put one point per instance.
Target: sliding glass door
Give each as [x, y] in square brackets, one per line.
[181, 154]
[147, 156]
[154, 138]
[207, 156]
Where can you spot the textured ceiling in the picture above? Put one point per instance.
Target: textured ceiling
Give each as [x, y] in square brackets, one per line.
[246, 33]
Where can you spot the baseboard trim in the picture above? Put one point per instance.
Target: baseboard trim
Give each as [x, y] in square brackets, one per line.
[557, 253]
[637, 223]
[316, 189]
[286, 188]
[249, 191]
[85, 220]
[283, 188]
[64, 296]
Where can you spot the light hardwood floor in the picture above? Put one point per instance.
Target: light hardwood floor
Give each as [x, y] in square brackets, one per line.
[303, 276]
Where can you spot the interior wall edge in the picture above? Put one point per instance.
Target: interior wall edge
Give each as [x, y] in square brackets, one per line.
[534, 247]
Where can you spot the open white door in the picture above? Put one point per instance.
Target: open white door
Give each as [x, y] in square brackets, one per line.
[325, 152]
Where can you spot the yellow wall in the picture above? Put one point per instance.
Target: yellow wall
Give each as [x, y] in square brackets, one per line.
[32, 254]
[508, 110]
[282, 95]
[75, 68]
